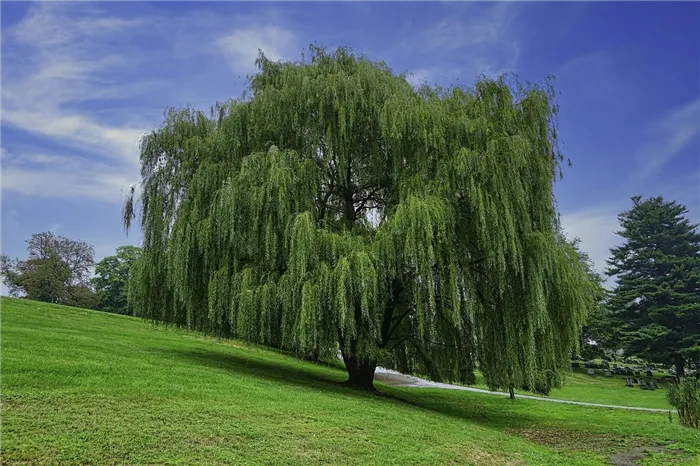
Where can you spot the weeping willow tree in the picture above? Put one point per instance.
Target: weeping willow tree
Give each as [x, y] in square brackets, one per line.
[336, 207]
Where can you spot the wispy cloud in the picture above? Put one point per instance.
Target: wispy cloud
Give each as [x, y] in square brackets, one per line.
[668, 137]
[591, 75]
[57, 63]
[73, 75]
[597, 225]
[65, 55]
[62, 176]
[479, 26]
[482, 39]
[26, 158]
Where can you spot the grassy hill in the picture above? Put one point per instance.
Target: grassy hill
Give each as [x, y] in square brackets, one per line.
[84, 387]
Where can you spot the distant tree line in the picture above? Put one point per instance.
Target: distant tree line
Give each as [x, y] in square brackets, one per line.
[59, 270]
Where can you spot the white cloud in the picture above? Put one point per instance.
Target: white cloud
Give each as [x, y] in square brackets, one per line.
[430, 75]
[241, 46]
[668, 137]
[420, 76]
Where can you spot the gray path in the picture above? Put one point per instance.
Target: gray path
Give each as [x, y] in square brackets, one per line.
[398, 379]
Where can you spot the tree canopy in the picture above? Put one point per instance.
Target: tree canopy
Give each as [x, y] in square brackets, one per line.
[656, 302]
[111, 279]
[336, 207]
[56, 271]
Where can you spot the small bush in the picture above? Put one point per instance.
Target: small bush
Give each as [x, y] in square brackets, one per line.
[684, 395]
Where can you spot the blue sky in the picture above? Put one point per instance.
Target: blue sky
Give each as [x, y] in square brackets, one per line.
[82, 82]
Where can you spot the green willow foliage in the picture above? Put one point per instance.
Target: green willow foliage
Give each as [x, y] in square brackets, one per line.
[334, 206]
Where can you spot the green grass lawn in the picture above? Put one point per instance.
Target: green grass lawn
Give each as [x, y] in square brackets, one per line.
[84, 387]
[597, 388]
[610, 390]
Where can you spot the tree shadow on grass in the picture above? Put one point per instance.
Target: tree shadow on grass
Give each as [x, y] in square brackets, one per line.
[331, 379]
[294, 371]
[472, 410]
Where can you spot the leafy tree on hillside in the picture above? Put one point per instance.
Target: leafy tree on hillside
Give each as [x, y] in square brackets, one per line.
[657, 298]
[334, 206]
[111, 279]
[57, 271]
[81, 296]
[45, 279]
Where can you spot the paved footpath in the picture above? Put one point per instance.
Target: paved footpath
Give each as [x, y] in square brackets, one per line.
[398, 379]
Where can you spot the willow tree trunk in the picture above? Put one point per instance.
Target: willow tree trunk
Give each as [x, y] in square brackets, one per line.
[679, 363]
[360, 372]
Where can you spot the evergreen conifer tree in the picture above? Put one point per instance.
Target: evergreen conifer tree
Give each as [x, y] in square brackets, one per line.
[656, 302]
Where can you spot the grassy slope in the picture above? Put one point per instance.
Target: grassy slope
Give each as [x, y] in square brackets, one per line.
[87, 387]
